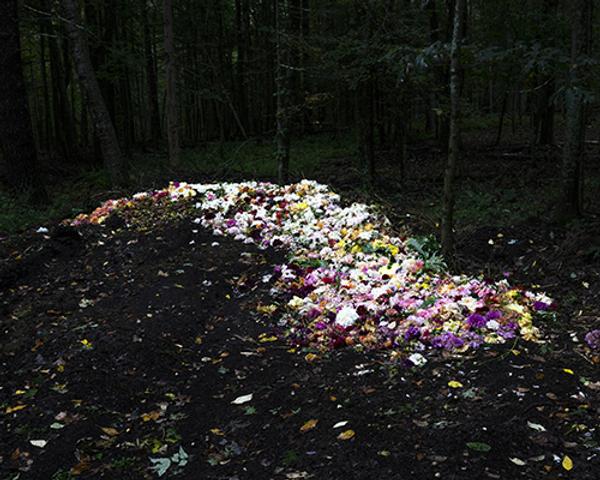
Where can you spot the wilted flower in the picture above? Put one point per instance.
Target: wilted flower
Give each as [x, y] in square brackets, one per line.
[593, 339]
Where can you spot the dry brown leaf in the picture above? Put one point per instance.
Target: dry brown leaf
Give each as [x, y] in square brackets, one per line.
[346, 435]
[309, 425]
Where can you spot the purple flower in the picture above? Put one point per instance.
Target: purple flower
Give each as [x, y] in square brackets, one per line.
[593, 339]
[320, 325]
[476, 321]
[540, 306]
[493, 315]
[447, 341]
[473, 339]
[412, 332]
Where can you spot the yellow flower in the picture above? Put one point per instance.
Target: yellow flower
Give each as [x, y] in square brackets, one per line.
[296, 303]
[493, 338]
[516, 308]
[525, 321]
[530, 334]
[389, 269]
[453, 325]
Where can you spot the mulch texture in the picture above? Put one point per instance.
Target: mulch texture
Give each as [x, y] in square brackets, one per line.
[122, 346]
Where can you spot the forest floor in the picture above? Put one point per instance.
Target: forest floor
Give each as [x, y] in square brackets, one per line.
[122, 350]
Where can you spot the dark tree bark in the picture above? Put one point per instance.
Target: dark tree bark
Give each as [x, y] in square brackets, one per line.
[63, 123]
[241, 22]
[545, 131]
[571, 204]
[454, 134]
[151, 83]
[104, 128]
[46, 132]
[172, 110]
[16, 132]
[366, 127]
[282, 89]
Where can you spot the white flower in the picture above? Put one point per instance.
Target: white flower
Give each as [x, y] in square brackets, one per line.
[492, 325]
[296, 303]
[418, 359]
[346, 317]
[378, 292]
[470, 303]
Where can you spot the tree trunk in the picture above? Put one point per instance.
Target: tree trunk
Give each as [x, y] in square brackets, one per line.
[454, 134]
[45, 140]
[62, 121]
[172, 104]
[282, 86]
[571, 204]
[16, 132]
[546, 114]
[104, 128]
[242, 24]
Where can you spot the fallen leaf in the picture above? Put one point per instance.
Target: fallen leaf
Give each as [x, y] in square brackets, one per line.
[242, 399]
[341, 424]
[38, 443]
[536, 426]
[454, 384]
[310, 357]
[309, 425]
[569, 371]
[517, 461]
[296, 475]
[479, 446]
[111, 432]
[263, 338]
[16, 408]
[567, 463]
[81, 467]
[346, 435]
[154, 415]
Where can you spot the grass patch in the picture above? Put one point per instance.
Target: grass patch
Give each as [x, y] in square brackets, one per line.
[257, 158]
[86, 189]
[487, 203]
[67, 199]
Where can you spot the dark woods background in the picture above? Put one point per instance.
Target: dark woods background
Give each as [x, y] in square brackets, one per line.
[111, 85]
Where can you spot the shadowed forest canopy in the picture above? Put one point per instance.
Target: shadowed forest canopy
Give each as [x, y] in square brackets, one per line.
[210, 82]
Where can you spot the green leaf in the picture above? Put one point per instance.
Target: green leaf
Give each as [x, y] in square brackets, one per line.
[479, 446]
[249, 410]
[161, 465]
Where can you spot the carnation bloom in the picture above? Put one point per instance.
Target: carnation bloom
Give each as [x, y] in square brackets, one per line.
[346, 317]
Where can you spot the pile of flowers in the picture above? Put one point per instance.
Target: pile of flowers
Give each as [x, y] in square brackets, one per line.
[348, 280]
